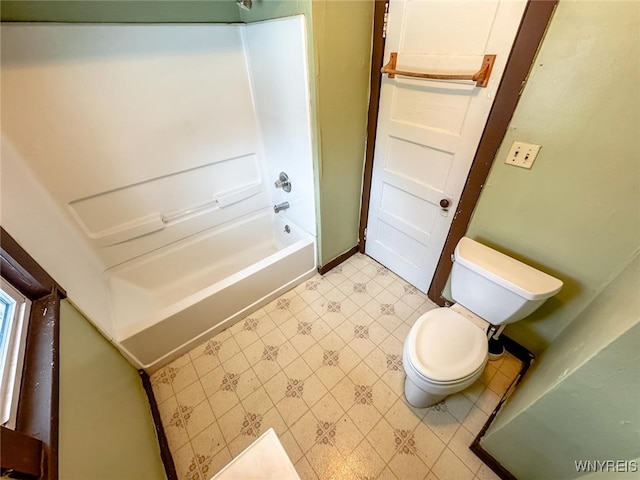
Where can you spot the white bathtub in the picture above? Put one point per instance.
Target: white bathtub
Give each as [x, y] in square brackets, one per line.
[168, 301]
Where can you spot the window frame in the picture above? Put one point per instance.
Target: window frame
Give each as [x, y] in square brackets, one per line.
[31, 450]
[12, 348]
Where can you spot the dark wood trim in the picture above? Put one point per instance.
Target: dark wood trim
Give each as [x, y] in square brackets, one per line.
[165, 452]
[37, 416]
[20, 454]
[491, 462]
[526, 357]
[22, 271]
[534, 24]
[39, 393]
[377, 59]
[338, 260]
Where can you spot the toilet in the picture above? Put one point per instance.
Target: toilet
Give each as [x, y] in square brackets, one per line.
[446, 350]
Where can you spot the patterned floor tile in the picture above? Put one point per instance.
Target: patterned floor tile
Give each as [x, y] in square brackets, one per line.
[304, 431]
[206, 362]
[343, 393]
[500, 383]
[298, 369]
[383, 438]
[459, 445]
[180, 373]
[361, 374]
[174, 426]
[458, 405]
[273, 419]
[258, 402]
[208, 443]
[441, 422]
[305, 470]
[326, 460]
[364, 415]
[253, 328]
[292, 408]
[428, 446]
[387, 474]
[186, 466]
[194, 409]
[401, 416]
[487, 374]
[475, 420]
[510, 365]
[327, 409]
[291, 446]
[348, 436]
[485, 473]
[450, 467]
[220, 387]
[322, 366]
[487, 401]
[365, 462]
[161, 384]
[231, 422]
[218, 462]
[314, 390]
[407, 463]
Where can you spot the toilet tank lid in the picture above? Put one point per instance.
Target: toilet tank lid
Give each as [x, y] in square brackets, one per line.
[508, 272]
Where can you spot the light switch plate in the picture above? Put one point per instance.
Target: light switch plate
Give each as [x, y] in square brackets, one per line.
[522, 154]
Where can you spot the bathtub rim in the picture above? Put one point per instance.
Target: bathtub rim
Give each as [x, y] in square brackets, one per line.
[304, 240]
[128, 329]
[177, 352]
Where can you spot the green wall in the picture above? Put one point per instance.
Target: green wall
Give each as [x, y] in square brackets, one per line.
[339, 45]
[580, 401]
[127, 11]
[343, 40]
[576, 213]
[106, 428]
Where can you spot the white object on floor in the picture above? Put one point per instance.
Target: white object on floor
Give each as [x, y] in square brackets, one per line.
[264, 459]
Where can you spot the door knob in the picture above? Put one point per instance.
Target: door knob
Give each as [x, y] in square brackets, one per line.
[444, 204]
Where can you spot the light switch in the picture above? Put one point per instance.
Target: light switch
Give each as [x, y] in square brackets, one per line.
[522, 154]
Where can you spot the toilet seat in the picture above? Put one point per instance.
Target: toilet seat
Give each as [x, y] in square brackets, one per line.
[444, 347]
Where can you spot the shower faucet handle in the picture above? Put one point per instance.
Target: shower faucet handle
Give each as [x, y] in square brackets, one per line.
[283, 182]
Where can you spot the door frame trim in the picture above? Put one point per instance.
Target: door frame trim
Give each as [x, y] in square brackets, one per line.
[377, 58]
[535, 21]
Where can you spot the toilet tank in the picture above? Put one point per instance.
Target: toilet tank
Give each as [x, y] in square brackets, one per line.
[496, 287]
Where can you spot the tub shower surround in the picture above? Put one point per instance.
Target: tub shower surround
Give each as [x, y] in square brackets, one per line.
[322, 365]
[156, 149]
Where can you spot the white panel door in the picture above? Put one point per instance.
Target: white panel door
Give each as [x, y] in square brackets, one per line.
[429, 130]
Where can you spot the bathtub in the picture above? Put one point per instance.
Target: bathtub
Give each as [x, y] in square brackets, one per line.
[166, 302]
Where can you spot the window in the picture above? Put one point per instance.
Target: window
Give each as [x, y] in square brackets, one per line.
[30, 447]
[14, 311]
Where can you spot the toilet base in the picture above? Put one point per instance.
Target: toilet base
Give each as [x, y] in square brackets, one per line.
[418, 397]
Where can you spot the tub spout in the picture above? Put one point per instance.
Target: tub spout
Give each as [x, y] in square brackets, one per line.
[280, 206]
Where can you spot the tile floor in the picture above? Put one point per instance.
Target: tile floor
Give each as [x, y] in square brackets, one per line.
[322, 365]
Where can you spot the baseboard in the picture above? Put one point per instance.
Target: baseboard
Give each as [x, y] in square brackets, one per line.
[338, 260]
[165, 453]
[526, 357]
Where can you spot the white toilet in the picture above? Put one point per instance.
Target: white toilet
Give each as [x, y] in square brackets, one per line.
[447, 348]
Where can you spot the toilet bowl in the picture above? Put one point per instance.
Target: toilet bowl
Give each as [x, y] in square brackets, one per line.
[446, 350]
[444, 353]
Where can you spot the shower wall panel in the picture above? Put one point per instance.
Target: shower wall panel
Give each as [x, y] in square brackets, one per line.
[114, 118]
